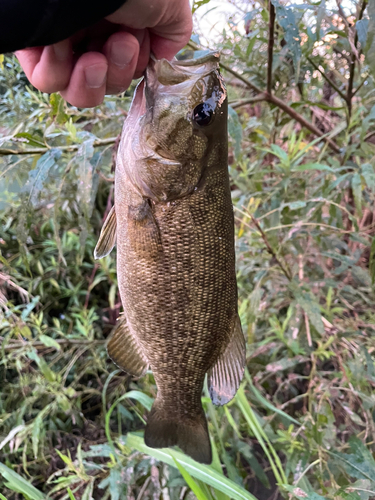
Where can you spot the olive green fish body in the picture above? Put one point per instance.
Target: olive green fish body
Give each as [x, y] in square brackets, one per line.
[175, 256]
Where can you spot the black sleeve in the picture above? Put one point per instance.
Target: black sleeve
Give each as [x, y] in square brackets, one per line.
[29, 23]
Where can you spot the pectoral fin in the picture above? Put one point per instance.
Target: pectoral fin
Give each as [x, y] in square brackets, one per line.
[144, 231]
[125, 352]
[225, 376]
[107, 238]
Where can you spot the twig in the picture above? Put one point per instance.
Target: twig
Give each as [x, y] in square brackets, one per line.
[353, 59]
[369, 135]
[271, 41]
[16, 344]
[270, 249]
[360, 85]
[307, 324]
[251, 100]
[331, 82]
[242, 78]
[302, 120]
[41, 151]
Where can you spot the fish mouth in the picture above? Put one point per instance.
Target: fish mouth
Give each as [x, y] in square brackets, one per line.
[168, 73]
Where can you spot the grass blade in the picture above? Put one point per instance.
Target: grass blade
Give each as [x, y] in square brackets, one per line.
[195, 488]
[261, 436]
[202, 472]
[71, 496]
[17, 483]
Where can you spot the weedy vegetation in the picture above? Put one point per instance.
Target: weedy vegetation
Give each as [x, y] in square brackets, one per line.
[300, 79]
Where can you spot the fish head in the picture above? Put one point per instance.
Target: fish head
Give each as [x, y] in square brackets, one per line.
[178, 116]
[185, 107]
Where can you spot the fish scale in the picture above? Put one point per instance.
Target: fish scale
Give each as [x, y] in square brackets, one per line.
[174, 226]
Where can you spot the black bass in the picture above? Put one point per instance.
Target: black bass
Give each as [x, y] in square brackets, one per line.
[174, 221]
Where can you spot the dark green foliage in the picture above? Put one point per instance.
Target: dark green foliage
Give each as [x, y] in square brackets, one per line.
[303, 421]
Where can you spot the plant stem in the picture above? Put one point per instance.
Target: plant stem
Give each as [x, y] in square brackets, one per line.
[251, 100]
[242, 78]
[16, 344]
[302, 120]
[270, 249]
[333, 85]
[271, 41]
[353, 58]
[42, 151]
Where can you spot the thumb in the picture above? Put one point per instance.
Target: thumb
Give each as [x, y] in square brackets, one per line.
[169, 23]
[171, 36]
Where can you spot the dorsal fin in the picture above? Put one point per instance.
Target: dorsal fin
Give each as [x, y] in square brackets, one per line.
[225, 376]
[107, 238]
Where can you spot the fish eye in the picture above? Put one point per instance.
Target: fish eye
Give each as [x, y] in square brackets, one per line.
[203, 114]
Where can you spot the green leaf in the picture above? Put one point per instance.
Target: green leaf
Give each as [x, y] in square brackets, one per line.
[37, 177]
[70, 493]
[308, 303]
[357, 192]
[43, 366]
[195, 488]
[266, 403]
[197, 4]
[17, 483]
[235, 130]
[115, 484]
[359, 464]
[58, 108]
[319, 18]
[201, 472]
[369, 175]
[301, 494]
[362, 28]
[139, 396]
[312, 166]
[37, 429]
[49, 342]
[31, 139]
[287, 20]
[369, 49]
[29, 307]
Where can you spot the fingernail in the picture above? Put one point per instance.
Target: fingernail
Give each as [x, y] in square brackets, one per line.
[121, 54]
[62, 50]
[96, 75]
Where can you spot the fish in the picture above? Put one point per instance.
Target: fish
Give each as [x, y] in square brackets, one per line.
[173, 224]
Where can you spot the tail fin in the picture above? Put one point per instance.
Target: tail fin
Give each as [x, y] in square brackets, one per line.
[190, 433]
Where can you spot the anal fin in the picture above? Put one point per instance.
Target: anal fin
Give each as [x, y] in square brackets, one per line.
[107, 238]
[124, 351]
[225, 376]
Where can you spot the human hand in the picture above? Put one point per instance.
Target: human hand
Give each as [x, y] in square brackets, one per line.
[104, 58]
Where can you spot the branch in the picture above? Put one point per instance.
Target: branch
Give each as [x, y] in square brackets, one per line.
[41, 151]
[353, 58]
[17, 344]
[251, 100]
[360, 85]
[302, 120]
[242, 78]
[271, 41]
[369, 135]
[279, 103]
[270, 249]
[331, 82]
